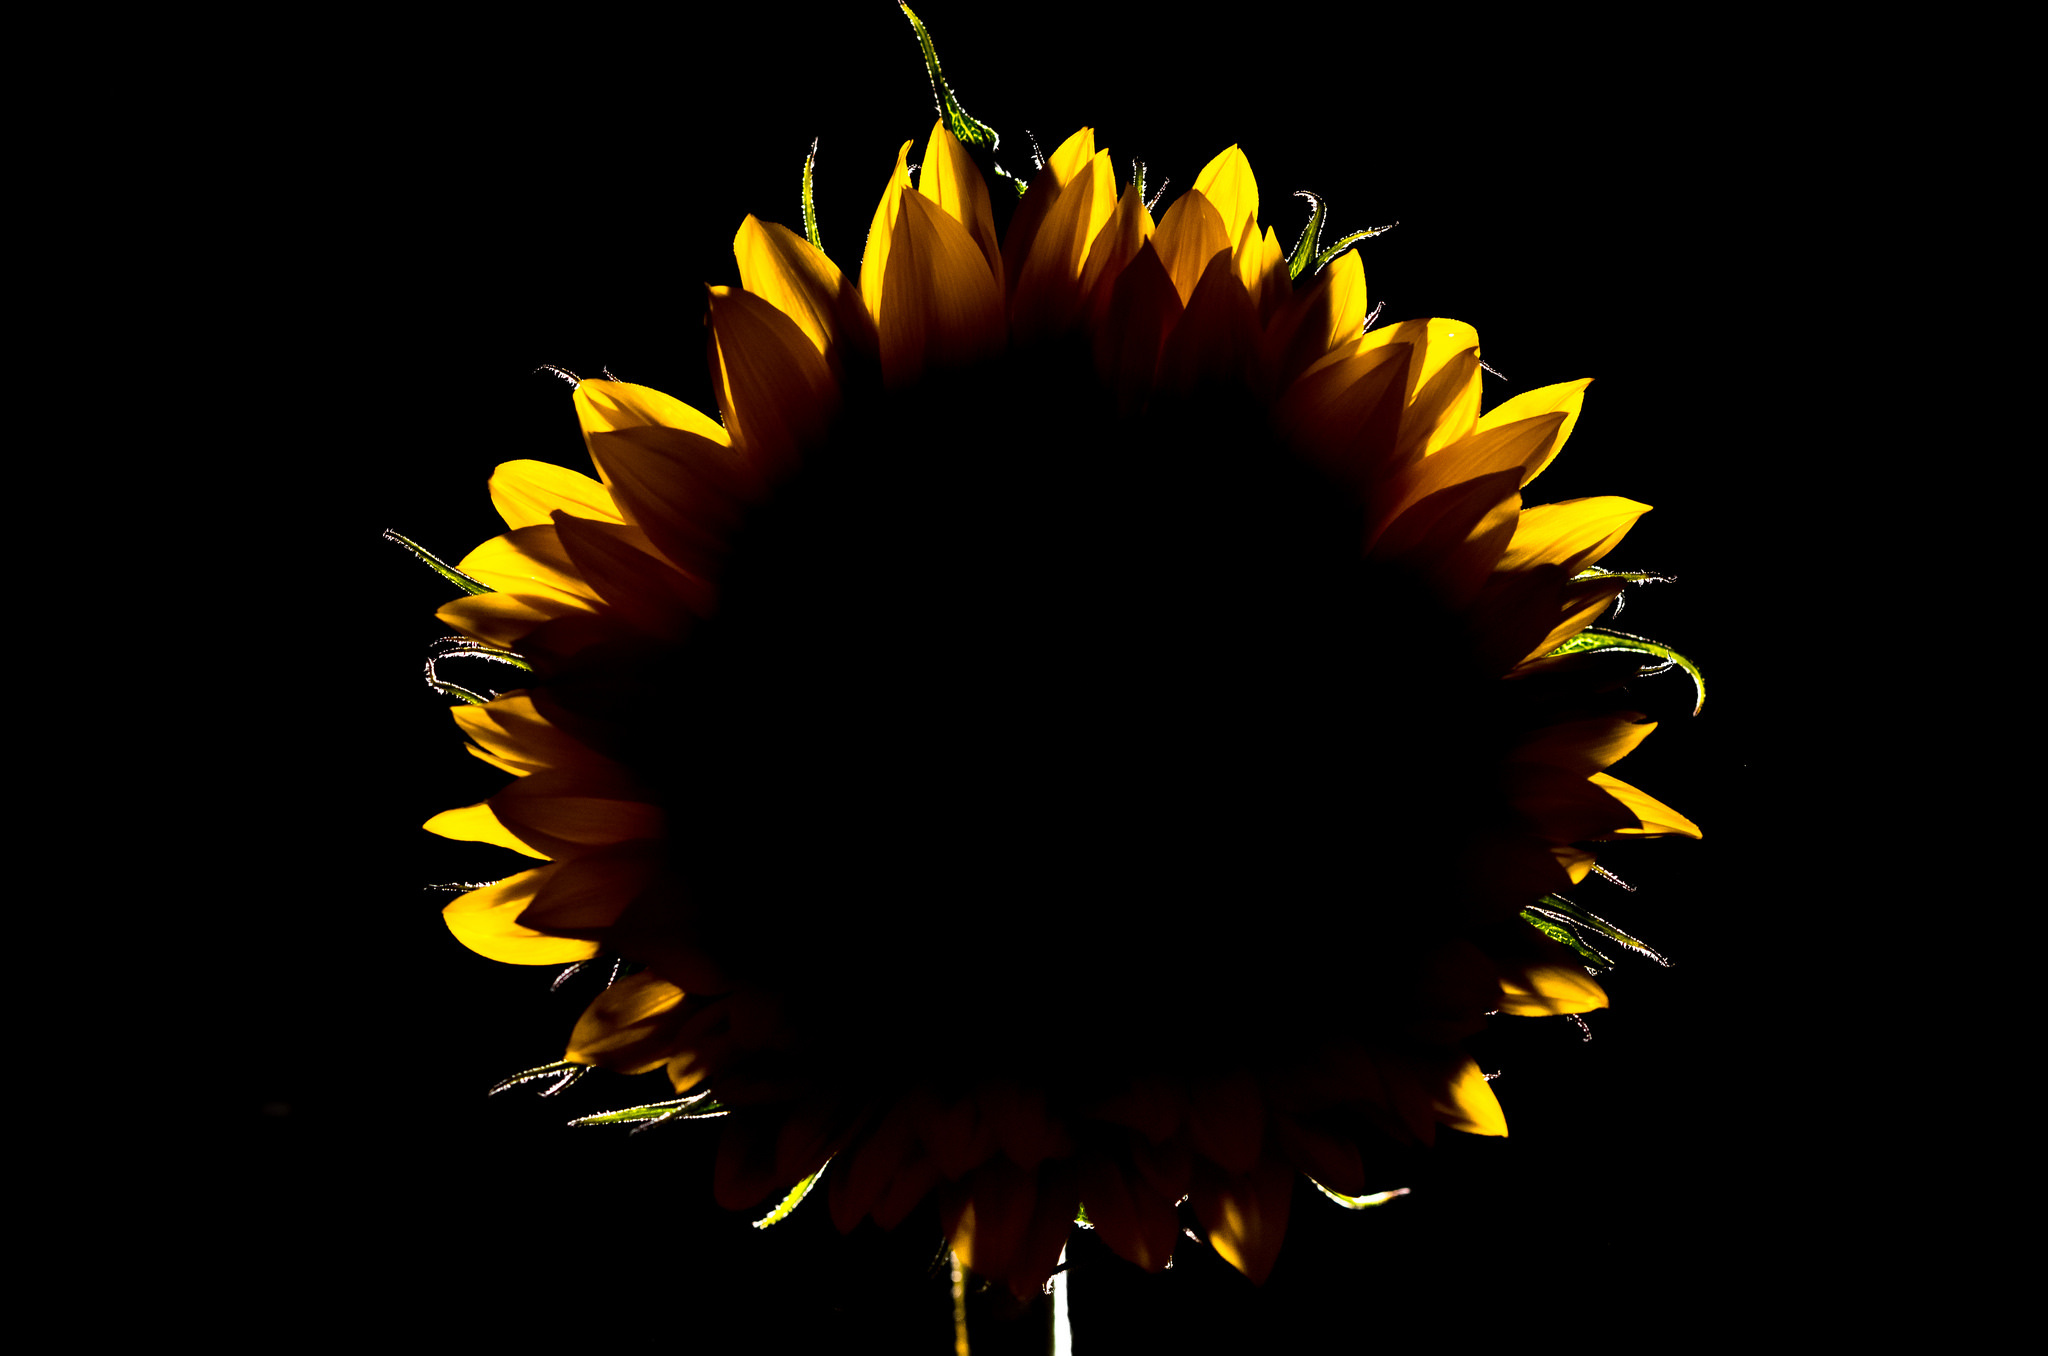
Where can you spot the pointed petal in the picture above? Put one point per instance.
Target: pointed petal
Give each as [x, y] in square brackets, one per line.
[1581, 604]
[1217, 339]
[874, 260]
[1190, 234]
[629, 1027]
[1136, 1222]
[794, 276]
[673, 471]
[1468, 1104]
[479, 824]
[1115, 245]
[1246, 1213]
[1228, 184]
[639, 586]
[1584, 747]
[584, 896]
[497, 618]
[940, 304]
[776, 391]
[1047, 296]
[1549, 991]
[1143, 309]
[513, 735]
[561, 825]
[1655, 816]
[486, 920]
[989, 1214]
[526, 494]
[1565, 398]
[1573, 534]
[953, 182]
[529, 562]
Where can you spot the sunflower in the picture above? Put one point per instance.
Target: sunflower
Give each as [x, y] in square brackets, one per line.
[1080, 732]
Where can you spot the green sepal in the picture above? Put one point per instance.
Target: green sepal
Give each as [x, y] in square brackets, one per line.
[810, 209]
[1563, 935]
[1346, 243]
[1564, 911]
[967, 129]
[562, 1071]
[1632, 576]
[439, 566]
[1081, 1215]
[794, 1199]
[699, 1107]
[1305, 248]
[1589, 640]
[462, 647]
[1358, 1202]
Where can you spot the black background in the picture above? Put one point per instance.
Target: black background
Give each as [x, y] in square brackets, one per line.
[462, 206]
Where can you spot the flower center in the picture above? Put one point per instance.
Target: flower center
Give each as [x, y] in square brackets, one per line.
[1017, 705]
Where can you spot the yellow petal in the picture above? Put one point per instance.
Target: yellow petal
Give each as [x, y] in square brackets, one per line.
[1190, 234]
[776, 391]
[1582, 603]
[630, 1026]
[486, 921]
[1573, 534]
[672, 470]
[526, 494]
[1227, 182]
[792, 275]
[496, 618]
[529, 562]
[940, 303]
[1047, 295]
[953, 182]
[1246, 1214]
[1468, 1104]
[874, 260]
[1656, 817]
[1584, 747]
[544, 811]
[1115, 245]
[1566, 398]
[512, 734]
[1549, 991]
[1217, 339]
[640, 588]
[1346, 414]
[479, 824]
[1075, 153]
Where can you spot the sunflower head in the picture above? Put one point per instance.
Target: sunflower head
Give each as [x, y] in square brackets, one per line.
[1090, 724]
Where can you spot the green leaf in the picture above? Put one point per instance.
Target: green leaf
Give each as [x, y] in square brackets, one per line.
[1348, 241]
[1564, 911]
[810, 210]
[562, 1071]
[1305, 248]
[462, 647]
[969, 130]
[1589, 640]
[1358, 1202]
[793, 1199]
[699, 1107]
[439, 566]
[1564, 936]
